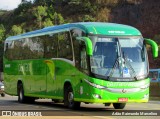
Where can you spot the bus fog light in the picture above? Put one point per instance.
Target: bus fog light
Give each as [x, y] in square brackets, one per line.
[97, 96]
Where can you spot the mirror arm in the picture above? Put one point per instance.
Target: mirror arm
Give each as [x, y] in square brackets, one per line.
[88, 43]
[154, 46]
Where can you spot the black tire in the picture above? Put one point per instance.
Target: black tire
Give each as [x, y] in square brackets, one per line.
[69, 99]
[119, 105]
[21, 97]
[3, 94]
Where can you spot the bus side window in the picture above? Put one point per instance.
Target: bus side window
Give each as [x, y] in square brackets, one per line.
[6, 46]
[77, 51]
[36, 47]
[51, 46]
[64, 46]
[17, 50]
[83, 57]
[8, 51]
[77, 45]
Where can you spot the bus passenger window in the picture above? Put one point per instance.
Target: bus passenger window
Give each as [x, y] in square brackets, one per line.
[8, 50]
[64, 46]
[83, 59]
[51, 46]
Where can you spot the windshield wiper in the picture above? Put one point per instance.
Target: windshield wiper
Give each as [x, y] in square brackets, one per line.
[120, 61]
[129, 66]
[113, 68]
[117, 61]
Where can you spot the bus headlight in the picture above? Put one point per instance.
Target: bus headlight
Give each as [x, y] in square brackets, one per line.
[95, 85]
[144, 86]
[2, 87]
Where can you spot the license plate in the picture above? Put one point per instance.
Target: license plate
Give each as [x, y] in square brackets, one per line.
[122, 99]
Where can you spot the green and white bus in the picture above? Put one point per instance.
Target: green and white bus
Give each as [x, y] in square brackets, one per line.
[90, 62]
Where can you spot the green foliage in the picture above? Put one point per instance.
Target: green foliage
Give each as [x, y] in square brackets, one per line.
[40, 2]
[40, 12]
[23, 7]
[88, 18]
[2, 12]
[16, 30]
[47, 22]
[2, 32]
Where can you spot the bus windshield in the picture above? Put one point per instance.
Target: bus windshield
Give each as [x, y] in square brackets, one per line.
[119, 59]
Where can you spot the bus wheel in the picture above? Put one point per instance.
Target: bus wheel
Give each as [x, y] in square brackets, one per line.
[119, 105]
[21, 97]
[69, 99]
[3, 94]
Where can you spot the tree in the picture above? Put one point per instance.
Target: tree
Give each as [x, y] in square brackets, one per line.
[88, 18]
[47, 22]
[16, 30]
[40, 12]
[2, 32]
[40, 2]
[58, 18]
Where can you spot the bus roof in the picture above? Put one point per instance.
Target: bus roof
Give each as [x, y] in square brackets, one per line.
[99, 28]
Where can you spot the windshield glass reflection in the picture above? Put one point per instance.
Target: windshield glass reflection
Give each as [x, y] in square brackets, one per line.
[118, 57]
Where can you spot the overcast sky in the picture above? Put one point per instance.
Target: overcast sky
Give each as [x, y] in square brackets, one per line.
[9, 4]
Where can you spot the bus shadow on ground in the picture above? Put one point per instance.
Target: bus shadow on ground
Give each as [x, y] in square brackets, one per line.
[50, 108]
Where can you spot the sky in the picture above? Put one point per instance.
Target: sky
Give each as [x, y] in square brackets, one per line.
[9, 4]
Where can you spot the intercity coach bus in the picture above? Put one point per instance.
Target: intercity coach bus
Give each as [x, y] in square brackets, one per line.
[90, 62]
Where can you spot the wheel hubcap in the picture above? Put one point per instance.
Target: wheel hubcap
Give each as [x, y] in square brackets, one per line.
[70, 97]
[20, 94]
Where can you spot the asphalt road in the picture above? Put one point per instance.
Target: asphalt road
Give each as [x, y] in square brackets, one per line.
[46, 107]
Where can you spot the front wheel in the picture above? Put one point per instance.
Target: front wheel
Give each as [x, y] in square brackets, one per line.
[69, 99]
[119, 105]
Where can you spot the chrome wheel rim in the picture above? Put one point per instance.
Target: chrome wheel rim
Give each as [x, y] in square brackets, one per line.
[70, 97]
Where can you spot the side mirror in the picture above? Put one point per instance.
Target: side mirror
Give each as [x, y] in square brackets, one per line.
[88, 44]
[154, 46]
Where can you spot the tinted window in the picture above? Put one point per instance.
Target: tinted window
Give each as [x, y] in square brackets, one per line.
[51, 46]
[48, 46]
[8, 49]
[36, 45]
[77, 46]
[65, 46]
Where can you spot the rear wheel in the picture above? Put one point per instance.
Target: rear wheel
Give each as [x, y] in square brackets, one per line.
[3, 94]
[119, 105]
[21, 97]
[69, 99]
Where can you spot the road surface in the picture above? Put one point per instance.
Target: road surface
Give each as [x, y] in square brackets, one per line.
[45, 107]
